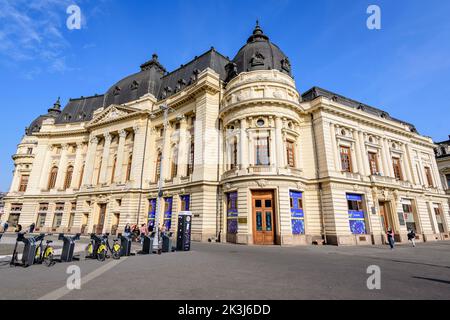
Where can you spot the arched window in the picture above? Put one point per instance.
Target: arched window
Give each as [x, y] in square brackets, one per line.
[130, 160]
[68, 180]
[113, 173]
[158, 167]
[52, 178]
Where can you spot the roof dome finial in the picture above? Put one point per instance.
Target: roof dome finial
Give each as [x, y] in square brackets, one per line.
[57, 104]
[258, 34]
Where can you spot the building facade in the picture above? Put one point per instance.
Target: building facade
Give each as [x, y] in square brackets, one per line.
[253, 159]
[443, 162]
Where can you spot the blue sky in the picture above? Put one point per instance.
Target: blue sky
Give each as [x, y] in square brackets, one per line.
[404, 68]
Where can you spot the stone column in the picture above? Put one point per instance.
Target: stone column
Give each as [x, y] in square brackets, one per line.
[279, 148]
[436, 175]
[409, 159]
[407, 164]
[62, 168]
[45, 168]
[365, 154]
[90, 161]
[183, 150]
[243, 145]
[335, 148]
[78, 165]
[120, 156]
[359, 156]
[166, 153]
[105, 158]
[138, 154]
[388, 159]
[15, 181]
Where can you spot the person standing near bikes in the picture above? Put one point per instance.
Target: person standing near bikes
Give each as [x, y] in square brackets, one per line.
[143, 232]
[127, 230]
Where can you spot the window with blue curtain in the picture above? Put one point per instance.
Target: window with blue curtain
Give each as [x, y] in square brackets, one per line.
[151, 213]
[356, 216]
[232, 213]
[185, 202]
[168, 212]
[297, 214]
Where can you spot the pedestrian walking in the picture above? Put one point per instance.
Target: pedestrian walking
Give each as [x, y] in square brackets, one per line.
[412, 237]
[391, 240]
[5, 226]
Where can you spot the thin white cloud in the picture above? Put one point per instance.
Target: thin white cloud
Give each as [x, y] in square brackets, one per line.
[33, 31]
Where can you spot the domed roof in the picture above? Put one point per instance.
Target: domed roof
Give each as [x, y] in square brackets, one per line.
[258, 54]
[36, 125]
[148, 80]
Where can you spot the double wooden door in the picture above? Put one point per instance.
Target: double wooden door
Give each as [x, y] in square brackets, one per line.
[101, 219]
[263, 218]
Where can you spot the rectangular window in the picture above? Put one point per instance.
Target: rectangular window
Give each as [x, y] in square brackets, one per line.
[14, 215]
[185, 202]
[297, 214]
[409, 214]
[448, 180]
[30, 151]
[232, 213]
[373, 162]
[57, 219]
[429, 176]
[439, 216]
[356, 214]
[346, 159]
[290, 149]
[174, 167]
[23, 183]
[234, 154]
[397, 168]
[262, 151]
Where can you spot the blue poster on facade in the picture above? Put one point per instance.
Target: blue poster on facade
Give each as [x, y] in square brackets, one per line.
[185, 202]
[356, 215]
[168, 213]
[297, 215]
[151, 214]
[232, 213]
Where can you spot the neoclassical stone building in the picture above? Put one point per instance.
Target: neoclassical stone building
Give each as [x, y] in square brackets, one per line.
[253, 159]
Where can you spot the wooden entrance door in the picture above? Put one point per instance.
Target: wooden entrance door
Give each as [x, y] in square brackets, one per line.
[385, 216]
[101, 219]
[263, 218]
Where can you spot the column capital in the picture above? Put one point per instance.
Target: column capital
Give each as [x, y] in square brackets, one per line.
[136, 129]
[80, 144]
[94, 140]
[65, 146]
[122, 133]
[108, 137]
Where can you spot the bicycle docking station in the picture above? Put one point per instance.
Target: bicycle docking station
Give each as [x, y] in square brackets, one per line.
[29, 250]
[125, 245]
[68, 249]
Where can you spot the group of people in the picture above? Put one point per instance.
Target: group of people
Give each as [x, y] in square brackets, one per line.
[5, 226]
[138, 233]
[391, 237]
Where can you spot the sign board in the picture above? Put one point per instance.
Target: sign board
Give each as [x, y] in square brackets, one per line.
[242, 220]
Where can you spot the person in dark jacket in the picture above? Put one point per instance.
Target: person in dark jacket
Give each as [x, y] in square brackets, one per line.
[412, 237]
[32, 226]
[391, 240]
[127, 230]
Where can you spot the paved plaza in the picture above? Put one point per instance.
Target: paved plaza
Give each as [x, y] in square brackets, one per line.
[224, 271]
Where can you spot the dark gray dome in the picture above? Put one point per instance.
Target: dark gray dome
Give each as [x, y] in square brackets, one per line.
[148, 80]
[258, 54]
[36, 125]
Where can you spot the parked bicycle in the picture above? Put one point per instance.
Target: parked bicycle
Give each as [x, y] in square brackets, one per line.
[44, 255]
[115, 248]
[96, 248]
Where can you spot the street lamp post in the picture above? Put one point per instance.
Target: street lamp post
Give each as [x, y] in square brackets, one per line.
[165, 108]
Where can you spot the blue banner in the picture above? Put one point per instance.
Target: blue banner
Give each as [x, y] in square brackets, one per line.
[354, 197]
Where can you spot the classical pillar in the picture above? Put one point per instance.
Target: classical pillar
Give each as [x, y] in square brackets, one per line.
[90, 161]
[62, 168]
[105, 158]
[411, 163]
[166, 153]
[120, 156]
[46, 168]
[138, 154]
[365, 154]
[15, 181]
[435, 171]
[78, 165]
[183, 150]
[407, 164]
[334, 146]
[358, 149]
[243, 144]
[388, 159]
[279, 147]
